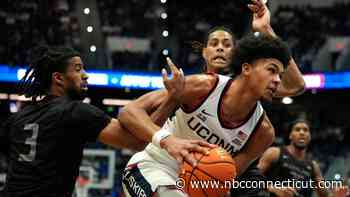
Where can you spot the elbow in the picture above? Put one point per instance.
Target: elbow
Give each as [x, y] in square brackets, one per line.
[302, 86]
[140, 146]
[125, 114]
[296, 89]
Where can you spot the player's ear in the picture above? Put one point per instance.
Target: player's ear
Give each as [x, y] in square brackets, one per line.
[57, 78]
[246, 68]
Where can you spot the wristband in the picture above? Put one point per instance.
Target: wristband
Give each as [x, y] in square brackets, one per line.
[158, 136]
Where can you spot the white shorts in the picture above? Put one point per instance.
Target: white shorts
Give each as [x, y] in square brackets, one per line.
[150, 172]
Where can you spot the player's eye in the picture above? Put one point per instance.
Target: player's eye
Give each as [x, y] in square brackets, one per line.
[227, 45]
[272, 70]
[213, 43]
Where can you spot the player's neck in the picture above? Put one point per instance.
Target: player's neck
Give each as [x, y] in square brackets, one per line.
[56, 91]
[221, 71]
[297, 152]
[238, 102]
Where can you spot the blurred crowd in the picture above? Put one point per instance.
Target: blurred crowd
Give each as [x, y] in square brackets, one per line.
[28, 23]
[305, 28]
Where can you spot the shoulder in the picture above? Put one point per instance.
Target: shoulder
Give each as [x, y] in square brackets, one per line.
[270, 156]
[198, 87]
[80, 110]
[273, 153]
[198, 79]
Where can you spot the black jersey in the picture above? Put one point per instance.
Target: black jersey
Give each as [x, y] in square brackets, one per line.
[45, 145]
[288, 167]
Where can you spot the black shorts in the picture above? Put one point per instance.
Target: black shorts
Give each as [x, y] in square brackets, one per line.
[251, 174]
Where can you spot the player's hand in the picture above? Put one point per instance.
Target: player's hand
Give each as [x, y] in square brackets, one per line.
[261, 16]
[176, 84]
[181, 149]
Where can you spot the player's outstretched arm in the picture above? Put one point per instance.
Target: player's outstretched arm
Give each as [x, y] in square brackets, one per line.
[156, 103]
[293, 83]
[136, 119]
[160, 104]
[270, 156]
[154, 107]
[118, 137]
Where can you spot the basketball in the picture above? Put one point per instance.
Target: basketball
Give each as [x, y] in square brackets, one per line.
[211, 177]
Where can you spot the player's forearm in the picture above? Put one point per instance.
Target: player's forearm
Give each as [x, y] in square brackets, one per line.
[166, 108]
[118, 137]
[292, 83]
[268, 30]
[138, 122]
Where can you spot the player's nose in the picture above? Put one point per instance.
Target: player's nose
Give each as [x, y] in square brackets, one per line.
[84, 76]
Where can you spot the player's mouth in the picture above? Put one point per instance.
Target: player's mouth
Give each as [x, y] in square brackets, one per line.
[219, 59]
[84, 86]
[272, 90]
[302, 140]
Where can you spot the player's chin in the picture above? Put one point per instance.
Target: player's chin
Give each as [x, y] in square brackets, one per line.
[84, 89]
[301, 145]
[267, 97]
[83, 92]
[219, 65]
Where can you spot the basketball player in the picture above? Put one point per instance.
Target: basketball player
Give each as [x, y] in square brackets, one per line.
[216, 108]
[44, 141]
[291, 162]
[217, 52]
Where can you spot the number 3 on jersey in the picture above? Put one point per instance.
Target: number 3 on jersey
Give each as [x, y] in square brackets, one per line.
[31, 141]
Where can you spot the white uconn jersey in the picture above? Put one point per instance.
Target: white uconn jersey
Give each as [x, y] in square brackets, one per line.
[204, 123]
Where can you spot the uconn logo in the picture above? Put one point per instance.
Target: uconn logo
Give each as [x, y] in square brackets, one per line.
[201, 130]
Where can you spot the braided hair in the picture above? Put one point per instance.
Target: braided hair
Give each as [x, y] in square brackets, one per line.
[45, 60]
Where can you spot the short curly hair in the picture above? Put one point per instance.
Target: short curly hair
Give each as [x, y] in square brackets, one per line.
[256, 46]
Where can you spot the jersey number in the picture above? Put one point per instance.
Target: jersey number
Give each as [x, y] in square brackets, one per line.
[31, 141]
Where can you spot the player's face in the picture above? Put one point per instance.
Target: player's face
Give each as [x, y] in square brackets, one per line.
[75, 83]
[300, 135]
[218, 51]
[266, 77]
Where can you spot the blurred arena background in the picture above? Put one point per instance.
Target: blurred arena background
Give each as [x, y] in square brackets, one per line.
[124, 44]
